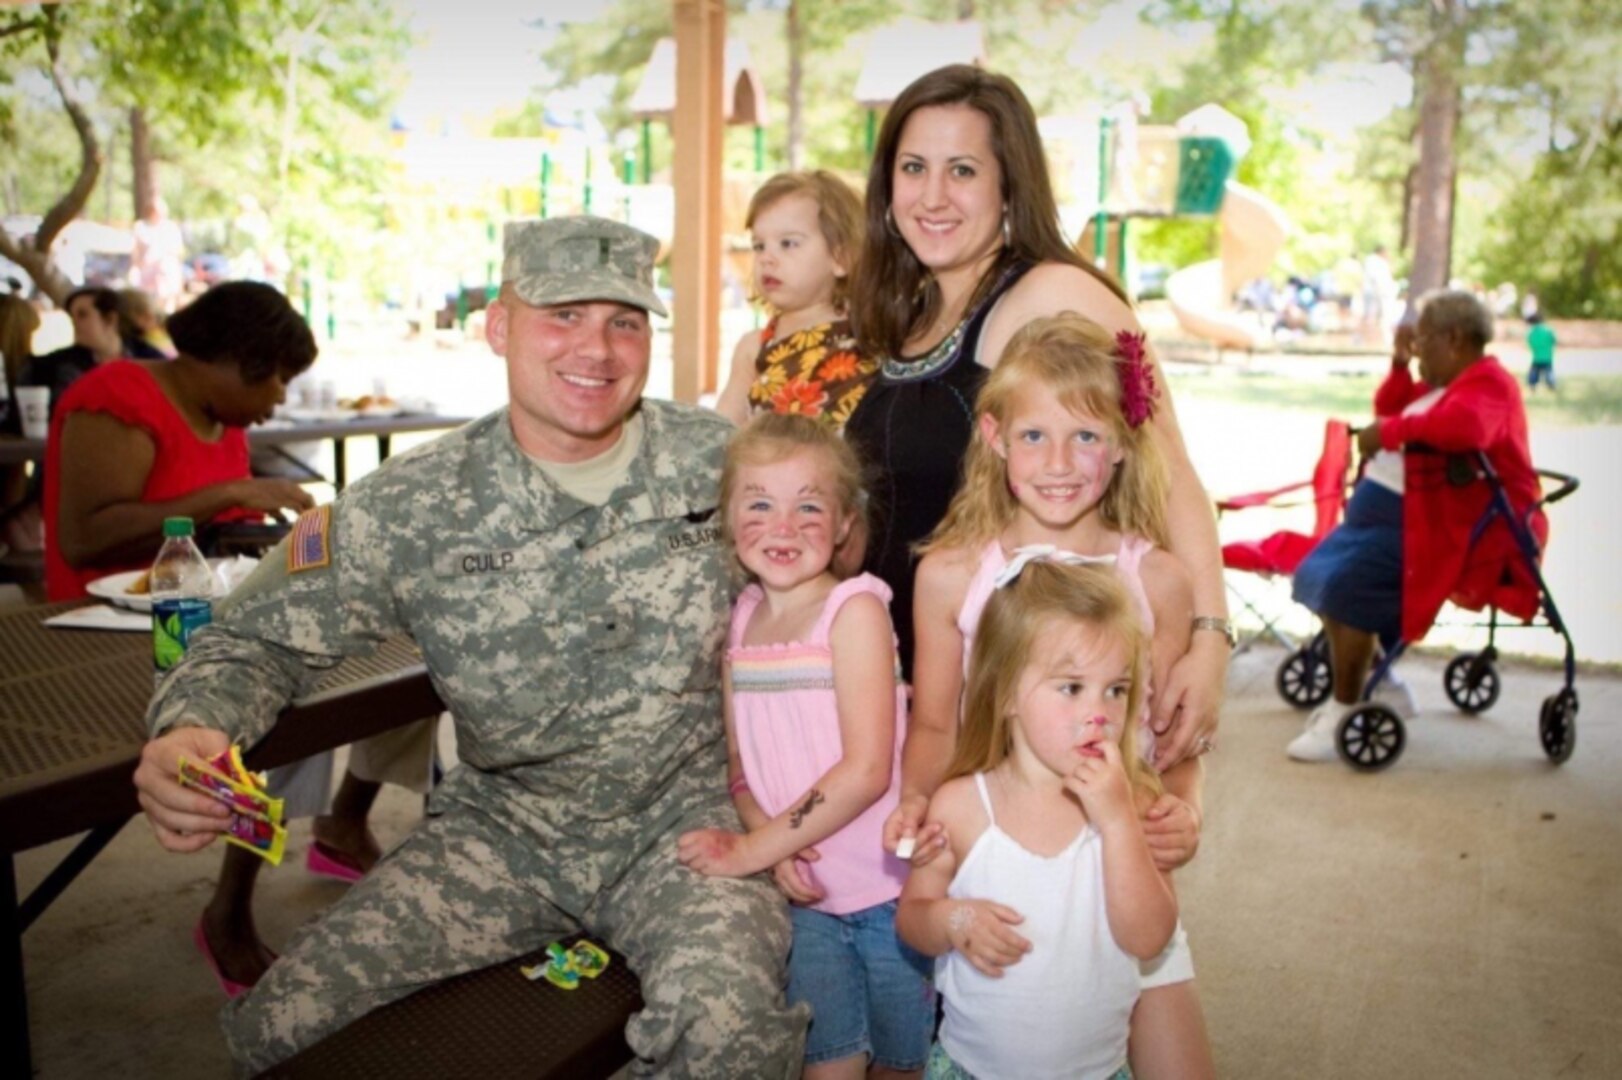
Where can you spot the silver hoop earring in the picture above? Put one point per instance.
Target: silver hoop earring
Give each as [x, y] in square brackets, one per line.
[889, 221]
[1007, 232]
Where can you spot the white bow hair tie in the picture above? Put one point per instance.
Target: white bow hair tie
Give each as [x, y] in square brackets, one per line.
[1024, 556]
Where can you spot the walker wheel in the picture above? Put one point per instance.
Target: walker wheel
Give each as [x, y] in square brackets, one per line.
[1557, 725]
[1303, 678]
[1370, 737]
[1472, 682]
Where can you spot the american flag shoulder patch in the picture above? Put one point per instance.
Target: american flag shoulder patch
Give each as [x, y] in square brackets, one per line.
[307, 545]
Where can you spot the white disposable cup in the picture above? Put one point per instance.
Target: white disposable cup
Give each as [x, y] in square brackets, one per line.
[35, 404]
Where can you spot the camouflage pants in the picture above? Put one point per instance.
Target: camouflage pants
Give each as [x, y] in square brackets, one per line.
[464, 892]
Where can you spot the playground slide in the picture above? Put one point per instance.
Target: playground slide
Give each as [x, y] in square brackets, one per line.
[1201, 296]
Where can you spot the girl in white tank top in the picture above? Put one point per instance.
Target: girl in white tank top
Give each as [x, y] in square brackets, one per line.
[1065, 463]
[1046, 898]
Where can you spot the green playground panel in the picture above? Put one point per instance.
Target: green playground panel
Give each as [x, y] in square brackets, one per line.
[1204, 164]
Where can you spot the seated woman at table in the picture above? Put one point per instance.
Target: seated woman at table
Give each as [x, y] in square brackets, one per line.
[134, 442]
[96, 340]
[1407, 544]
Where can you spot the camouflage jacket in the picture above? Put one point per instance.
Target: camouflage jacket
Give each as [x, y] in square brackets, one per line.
[576, 646]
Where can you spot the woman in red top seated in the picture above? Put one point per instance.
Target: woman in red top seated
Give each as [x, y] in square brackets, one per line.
[133, 442]
[1405, 545]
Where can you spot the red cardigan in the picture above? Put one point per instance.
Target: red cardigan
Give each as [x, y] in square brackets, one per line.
[1481, 409]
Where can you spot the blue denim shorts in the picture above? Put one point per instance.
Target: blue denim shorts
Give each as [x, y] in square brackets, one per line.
[869, 993]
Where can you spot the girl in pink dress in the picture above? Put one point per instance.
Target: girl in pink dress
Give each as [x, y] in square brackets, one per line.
[815, 717]
[1063, 463]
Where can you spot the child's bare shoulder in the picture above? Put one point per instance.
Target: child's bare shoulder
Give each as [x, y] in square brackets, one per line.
[862, 609]
[956, 803]
[949, 569]
[746, 350]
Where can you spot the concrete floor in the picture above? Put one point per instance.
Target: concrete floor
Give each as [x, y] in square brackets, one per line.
[1455, 916]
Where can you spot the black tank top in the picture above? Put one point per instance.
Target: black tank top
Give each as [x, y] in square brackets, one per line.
[912, 429]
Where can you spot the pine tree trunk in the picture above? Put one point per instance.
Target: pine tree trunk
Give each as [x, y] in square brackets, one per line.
[796, 72]
[143, 170]
[1438, 85]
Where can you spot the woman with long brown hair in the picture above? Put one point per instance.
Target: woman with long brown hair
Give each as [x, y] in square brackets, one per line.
[963, 248]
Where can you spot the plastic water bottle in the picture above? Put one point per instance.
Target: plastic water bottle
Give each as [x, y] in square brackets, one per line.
[182, 594]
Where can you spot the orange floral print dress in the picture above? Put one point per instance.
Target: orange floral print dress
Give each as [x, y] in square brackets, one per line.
[814, 372]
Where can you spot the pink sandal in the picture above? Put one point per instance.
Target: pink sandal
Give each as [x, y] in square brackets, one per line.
[232, 988]
[332, 863]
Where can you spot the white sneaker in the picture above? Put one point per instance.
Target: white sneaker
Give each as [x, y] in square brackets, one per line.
[1317, 741]
[1395, 694]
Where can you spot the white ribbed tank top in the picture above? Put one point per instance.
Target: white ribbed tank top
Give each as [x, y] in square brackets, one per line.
[1062, 1011]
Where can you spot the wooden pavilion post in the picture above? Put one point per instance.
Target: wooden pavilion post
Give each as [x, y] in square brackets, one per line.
[695, 258]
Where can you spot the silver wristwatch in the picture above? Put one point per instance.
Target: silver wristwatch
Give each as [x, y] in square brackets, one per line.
[1220, 625]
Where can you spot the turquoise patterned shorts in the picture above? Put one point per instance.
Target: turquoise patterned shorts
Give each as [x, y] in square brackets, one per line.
[942, 1067]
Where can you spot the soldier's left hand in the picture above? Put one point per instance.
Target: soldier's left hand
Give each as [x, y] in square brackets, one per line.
[716, 852]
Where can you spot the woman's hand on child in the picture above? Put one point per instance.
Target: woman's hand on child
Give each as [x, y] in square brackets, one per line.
[715, 852]
[982, 931]
[793, 878]
[1101, 785]
[907, 820]
[1172, 829]
[1187, 711]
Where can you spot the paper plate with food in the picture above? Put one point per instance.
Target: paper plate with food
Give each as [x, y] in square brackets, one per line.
[374, 405]
[133, 588]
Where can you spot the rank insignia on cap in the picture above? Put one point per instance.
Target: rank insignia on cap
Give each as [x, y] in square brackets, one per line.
[307, 547]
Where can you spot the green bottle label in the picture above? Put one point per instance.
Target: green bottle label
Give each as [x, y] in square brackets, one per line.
[173, 624]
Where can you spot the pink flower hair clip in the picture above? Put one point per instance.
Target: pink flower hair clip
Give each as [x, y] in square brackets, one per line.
[1138, 389]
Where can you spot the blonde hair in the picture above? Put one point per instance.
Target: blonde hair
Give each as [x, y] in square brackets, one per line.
[771, 438]
[18, 321]
[839, 215]
[1045, 597]
[1075, 360]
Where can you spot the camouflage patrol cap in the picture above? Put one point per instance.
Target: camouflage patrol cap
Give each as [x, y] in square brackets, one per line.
[559, 260]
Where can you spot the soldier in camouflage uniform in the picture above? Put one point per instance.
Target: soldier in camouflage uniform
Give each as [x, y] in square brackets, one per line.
[576, 644]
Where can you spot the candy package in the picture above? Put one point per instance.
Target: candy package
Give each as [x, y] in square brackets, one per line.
[256, 818]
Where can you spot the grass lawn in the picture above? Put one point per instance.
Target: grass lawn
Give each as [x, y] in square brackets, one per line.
[1582, 399]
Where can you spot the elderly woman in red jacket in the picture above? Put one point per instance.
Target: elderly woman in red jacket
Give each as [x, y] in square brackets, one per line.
[1405, 544]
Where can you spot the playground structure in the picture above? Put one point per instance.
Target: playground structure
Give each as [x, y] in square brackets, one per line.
[1181, 170]
[1108, 170]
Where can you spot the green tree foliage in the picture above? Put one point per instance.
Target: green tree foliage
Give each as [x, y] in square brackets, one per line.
[1538, 97]
[284, 99]
[1549, 115]
[1559, 233]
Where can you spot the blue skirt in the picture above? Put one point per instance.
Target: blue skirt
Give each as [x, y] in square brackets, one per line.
[1354, 575]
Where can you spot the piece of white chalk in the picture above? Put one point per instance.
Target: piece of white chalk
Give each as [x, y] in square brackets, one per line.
[903, 850]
